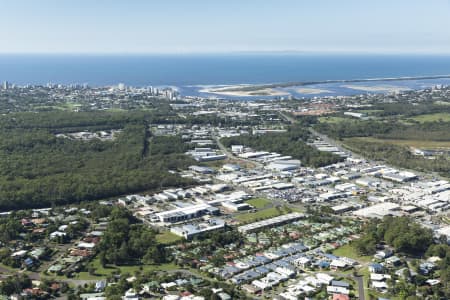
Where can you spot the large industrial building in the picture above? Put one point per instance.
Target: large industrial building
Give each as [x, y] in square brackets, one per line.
[187, 213]
[271, 222]
[379, 210]
[190, 230]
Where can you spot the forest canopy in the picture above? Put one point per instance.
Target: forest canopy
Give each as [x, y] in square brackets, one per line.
[38, 169]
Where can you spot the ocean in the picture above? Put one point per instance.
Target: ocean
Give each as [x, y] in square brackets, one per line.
[190, 72]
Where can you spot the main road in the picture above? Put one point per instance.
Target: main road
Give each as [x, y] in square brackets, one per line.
[230, 155]
[326, 139]
[323, 137]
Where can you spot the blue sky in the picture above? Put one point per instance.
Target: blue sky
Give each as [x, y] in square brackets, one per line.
[183, 26]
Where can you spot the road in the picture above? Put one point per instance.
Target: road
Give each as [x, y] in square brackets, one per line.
[334, 143]
[361, 287]
[230, 155]
[288, 118]
[323, 137]
[4, 270]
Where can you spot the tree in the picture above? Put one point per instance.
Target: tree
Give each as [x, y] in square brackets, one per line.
[14, 284]
[102, 259]
[91, 270]
[122, 255]
[125, 241]
[155, 254]
[400, 232]
[42, 170]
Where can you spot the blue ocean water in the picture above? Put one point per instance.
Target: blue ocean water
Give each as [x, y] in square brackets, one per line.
[185, 70]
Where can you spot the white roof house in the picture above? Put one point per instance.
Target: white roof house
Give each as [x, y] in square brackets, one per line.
[337, 290]
[337, 263]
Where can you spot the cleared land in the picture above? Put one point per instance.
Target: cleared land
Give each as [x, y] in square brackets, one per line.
[445, 117]
[350, 252]
[442, 103]
[261, 214]
[108, 270]
[332, 119]
[408, 143]
[167, 237]
[258, 202]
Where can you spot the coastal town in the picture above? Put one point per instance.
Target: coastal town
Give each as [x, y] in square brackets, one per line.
[225, 150]
[252, 222]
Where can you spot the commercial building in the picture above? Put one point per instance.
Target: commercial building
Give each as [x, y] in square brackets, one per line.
[251, 155]
[378, 210]
[338, 209]
[399, 176]
[186, 213]
[233, 206]
[355, 114]
[191, 230]
[231, 167]
[271, 222]
[444, 231]
[206, 154]
[201, 169]
[236, 149]
[284, 165]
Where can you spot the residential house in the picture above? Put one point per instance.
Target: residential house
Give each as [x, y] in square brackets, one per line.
[376, 268]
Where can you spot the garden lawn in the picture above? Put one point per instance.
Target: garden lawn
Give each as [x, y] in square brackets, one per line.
[167, 237]
[258, 202]
[445, 117]
[350, 252]
[261, 214]
[110, 269]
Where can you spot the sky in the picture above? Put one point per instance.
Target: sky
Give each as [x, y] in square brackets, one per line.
[213, 26]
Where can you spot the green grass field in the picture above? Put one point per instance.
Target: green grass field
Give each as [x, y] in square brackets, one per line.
[116, 109]
[432, 117]
[8, 268]
[258, 202]
[408, 143]
[261, 214]
[442, 102]
[332, 119]
[108, 270]
[167, 237]
[69, 106]
[350, 252]
[216, 164]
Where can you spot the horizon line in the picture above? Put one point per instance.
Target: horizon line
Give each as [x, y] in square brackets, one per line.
[233, 52]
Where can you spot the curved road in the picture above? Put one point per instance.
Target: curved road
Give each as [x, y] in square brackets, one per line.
[230, 155]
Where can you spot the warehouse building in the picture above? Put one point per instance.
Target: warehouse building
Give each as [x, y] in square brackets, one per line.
[190, 230]
[379, 210]
[186, 213]
[284, 165]
[271, 222]
[234, 206]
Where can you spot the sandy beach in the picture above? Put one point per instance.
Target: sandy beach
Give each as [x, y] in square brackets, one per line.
[311, 91]
[234, 91]
[377, 88]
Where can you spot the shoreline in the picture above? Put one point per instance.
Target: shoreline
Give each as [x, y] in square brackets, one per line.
[377, 88]
[257, 87]
[224, 91]
[311, 89]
